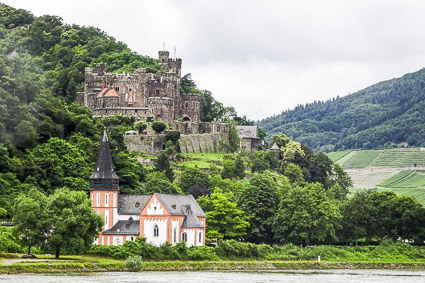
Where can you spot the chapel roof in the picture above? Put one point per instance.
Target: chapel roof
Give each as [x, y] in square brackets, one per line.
[124, 227]
[190, 220]
[132, 204]
[176, 204]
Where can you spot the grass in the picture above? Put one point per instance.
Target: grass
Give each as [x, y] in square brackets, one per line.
[201, 160]
[337, 155]
[401, 157]
[399, 255]
[361, 159]
[396, 178]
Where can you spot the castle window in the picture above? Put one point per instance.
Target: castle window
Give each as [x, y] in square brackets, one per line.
[156, 231]
[184, 237]
[117, 88]
[157, 92]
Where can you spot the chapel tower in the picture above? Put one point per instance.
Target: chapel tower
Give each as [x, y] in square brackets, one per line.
[104, 185]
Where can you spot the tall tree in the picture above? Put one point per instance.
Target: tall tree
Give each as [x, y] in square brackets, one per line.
[74, 224]
[306, 215]
[31, 218]
[224, 219]
[260, 200]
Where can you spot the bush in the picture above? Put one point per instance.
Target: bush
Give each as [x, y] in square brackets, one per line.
[8, 242]
[172, 136]
[158, 126]
[134, 263]
[140, 126]
[201, 253]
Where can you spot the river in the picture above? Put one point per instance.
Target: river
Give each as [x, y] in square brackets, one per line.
[304, 276]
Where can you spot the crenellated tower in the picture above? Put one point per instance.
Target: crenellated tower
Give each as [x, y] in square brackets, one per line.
[104, 185]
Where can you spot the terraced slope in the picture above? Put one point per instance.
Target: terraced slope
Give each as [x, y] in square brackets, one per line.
[361, 159]
[396, 178]
[403, 157]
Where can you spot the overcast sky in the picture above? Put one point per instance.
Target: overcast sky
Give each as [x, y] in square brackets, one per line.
[263, 57]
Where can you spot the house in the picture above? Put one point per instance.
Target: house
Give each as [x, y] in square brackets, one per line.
[158, 217]
[250, 140]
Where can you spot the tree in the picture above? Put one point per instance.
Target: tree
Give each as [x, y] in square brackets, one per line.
[140, 126]
[294, 173]
[259, 200]
[306, 215]
[31, 218]
[162, 164]
[224, 219]
[234, 140]
[262, 160]
[74, 224]
[229, 163]
[239, 167]
[191, 177]
[158, 126]
[157, 182]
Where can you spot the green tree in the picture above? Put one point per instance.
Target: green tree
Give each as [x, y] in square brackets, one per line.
[224, 219]
[239, 167]
[191, 177]
[158, 126]
[229, 163]
[140, 126]
[162, 164]
[294, 173]
[74, 224]
[306, 215]
[31, 219]
[157, 182]
[259, 200]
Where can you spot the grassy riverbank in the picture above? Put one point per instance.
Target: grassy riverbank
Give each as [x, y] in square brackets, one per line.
[71, 264]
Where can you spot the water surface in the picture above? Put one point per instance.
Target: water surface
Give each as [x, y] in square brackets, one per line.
[304, 276]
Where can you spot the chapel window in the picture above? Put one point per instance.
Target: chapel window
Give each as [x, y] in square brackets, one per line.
[155, 231]
[184, 237]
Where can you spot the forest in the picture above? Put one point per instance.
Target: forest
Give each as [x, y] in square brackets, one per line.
[380, 116]
[48, 146]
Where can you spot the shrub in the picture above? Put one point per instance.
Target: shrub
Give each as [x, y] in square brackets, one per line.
[140, 126]
[134, 263]
[8, 242]
[201, 253]
[158, 126]
[172, 136]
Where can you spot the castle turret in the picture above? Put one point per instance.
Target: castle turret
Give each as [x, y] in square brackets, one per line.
[104, 185]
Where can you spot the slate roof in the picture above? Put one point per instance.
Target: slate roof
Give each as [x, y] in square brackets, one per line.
[248, 132]
[104, 176]
[124, 227]
[190, 220]
[176, 204]
[275, 147]
[127, 204]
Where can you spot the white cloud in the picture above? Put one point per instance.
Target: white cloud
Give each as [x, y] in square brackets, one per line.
[265, 56]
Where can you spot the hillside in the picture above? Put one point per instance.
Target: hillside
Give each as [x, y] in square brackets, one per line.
[399, 170]
[379, 116]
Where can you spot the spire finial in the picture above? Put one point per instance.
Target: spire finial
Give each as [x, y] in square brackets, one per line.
[105, 135]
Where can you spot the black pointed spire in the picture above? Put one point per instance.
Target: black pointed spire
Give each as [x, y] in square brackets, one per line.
[104, 176]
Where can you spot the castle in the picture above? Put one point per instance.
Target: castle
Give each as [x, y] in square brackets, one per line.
[158, 217]
[143, 95]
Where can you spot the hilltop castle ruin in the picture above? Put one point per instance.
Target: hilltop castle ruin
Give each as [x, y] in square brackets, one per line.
[140, 94]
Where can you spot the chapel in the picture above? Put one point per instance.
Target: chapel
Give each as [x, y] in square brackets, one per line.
[158, 217]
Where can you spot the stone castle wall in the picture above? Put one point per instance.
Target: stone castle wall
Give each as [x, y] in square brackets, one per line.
[149, 144]
[200, 143]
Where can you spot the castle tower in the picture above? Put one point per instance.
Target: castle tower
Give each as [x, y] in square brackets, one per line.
[104, 186]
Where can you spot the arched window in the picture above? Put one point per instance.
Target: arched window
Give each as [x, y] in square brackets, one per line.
[155, 231]
[175, 235]
[200, 237]
[184, 237]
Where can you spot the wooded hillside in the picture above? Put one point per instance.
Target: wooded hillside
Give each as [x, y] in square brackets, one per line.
[379, 116]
